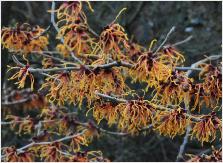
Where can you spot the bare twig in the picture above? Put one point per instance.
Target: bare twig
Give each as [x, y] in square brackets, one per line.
[21, 150]
[165, 40]
[208, 150]
[42, 70]
[113, 64]
[15, 102]
[183, 41]
[46, 54]
[46, 143]
[104, 66]
[76, 122]
[188, 68]
[183, 145]
[110, 97]
[92, 32]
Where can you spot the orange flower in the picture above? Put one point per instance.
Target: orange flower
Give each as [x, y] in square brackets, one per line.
[24, 39]
[76, 38]
[106, 111]
[51, 152]
[212, 85]
[215, 156]
[134, 52]
[175, 57]
[79, 157]
[48, 62]
[11, 155]
[171, 123]
[205, 130]
[21, 76]
[26, 125]
[76, 142]
[71, 11]
[111, 40]
[174, 90]
[135, 115]
[59, 88]
[63, 50]
[74, 29]
[151, 69]
[210, 91]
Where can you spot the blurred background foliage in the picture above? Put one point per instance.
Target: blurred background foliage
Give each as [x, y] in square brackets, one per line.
[143, 22]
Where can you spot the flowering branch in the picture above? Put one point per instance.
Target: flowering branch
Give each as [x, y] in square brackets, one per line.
[103, 66]
[196, 64]
[41, 34]
[195, 118]
[15, 102]
[46, 143]
[57, 29]
[186, 137]
[21, 150]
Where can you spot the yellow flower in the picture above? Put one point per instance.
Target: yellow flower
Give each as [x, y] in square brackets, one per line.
[105, 111]
[77, 141]
[171, 123]
[48, 62]
[26, 125]
[209, 92]
[21, 76]
[24, 39]
[11, 155]
[70, 11]
[51, 152]
[175, 57]
[59, 88]
[135, 115]
[212, 85]
[76, 38]
[174, 90]
[151, 69]
[63, 50]
[111, 40]
[205, 130]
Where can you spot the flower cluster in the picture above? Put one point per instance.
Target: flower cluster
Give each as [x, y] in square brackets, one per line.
[76, 85]
[205, 130]
[175, 57]
[24, 38]
[106, 111]
[211, 89]
[25, 125]
[21, 76]
[171, 123]
[98, 79]
[13, 156]
[112, 38]
[131, 116]
[76, 39]
[174, 90]
[151, 69]
[73, 29]
[69, 12]
[215, 156]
